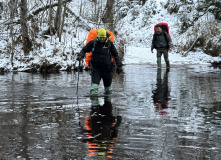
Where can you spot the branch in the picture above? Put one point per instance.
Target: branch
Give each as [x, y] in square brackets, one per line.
[84, 22]
[36, 12]
[185, 54]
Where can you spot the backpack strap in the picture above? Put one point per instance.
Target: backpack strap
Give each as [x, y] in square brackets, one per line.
[109, 44]
[108, 47]
[94, 45]
[165, 36]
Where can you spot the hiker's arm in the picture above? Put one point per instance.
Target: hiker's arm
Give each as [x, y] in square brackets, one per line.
[114, 54]
[87, 48]
[152, 45]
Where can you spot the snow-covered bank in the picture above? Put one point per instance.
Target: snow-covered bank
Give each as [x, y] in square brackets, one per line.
[137, 27]
[132, 55]
[46, 49]
[57, 55]
[138, 55]
[133, 26]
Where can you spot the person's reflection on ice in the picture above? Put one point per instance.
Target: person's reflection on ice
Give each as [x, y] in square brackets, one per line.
[162, 93]
[101, 128]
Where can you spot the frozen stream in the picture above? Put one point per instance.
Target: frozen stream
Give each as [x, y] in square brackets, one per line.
[152, 114]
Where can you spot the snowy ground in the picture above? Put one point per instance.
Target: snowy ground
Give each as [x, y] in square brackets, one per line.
[138, 32]
[50, 49]
[138, 55]
[133, 55]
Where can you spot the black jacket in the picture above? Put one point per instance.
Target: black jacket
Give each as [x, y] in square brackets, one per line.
[101, 54]
[161, 41]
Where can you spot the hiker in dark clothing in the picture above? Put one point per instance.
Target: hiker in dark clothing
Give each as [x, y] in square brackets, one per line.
[162, 43]
[161, 95]
[101, 128]
[102, 51]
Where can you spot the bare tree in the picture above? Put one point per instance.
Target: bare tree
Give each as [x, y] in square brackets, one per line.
[50, 19]
[108, 15]
[24, 29]
[57, 21]
[63, 19]
[13, 9]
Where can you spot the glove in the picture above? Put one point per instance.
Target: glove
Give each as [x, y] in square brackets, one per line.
[80, 57]
[119, 70]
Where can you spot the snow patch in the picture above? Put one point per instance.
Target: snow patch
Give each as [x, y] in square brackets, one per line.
[138, 55]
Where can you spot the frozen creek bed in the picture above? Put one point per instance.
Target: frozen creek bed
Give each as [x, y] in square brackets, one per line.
[152, 114]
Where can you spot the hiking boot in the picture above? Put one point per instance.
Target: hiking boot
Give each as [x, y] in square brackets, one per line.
[168, 64]
[107, 90]
[94, 89]
[159, 62]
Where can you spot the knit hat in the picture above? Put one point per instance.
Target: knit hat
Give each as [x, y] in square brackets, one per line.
[102, 33]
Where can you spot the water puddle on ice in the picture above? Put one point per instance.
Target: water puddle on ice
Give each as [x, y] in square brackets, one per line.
[152, 114]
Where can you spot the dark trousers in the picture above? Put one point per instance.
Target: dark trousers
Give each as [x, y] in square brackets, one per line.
[97, 75]
[165, 54]
[162, 51]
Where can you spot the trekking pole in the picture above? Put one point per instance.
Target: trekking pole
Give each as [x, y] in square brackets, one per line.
[78, 77]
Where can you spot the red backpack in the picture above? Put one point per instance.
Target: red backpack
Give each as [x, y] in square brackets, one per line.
[165, 28]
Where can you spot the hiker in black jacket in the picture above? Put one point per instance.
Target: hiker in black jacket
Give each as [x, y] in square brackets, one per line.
[102, 50]
[162, 43]
[101, 128]
[161, 94]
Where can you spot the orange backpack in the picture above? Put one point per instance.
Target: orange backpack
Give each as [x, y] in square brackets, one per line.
[91, 36]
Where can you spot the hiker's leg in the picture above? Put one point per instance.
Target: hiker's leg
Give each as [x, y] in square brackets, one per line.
[159, 53]
[107, 79]
[158, 74]
[166, 58]
[95, 79]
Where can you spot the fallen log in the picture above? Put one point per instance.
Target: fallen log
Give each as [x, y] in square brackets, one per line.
[191, 47]
[80, 19]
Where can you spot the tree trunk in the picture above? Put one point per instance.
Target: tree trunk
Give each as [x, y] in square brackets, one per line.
[24, 29]
[143, 1]
[36, 12]
[57, 22]
[108, 16]
[50, 19]
[12, 7]
[63, 19]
